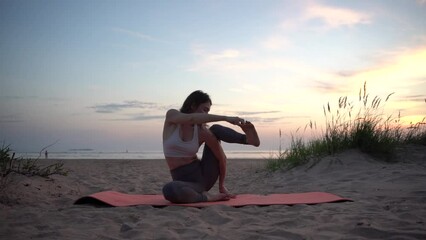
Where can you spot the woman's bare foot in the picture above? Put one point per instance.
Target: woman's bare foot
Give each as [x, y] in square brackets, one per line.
[216, 197]
[251, 134]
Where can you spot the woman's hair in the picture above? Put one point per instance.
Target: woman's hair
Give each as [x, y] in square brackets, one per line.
[194, 100]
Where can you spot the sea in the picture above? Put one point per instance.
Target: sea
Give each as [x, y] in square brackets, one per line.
[92, 154]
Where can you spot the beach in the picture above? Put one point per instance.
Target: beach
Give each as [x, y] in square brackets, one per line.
[389, 201]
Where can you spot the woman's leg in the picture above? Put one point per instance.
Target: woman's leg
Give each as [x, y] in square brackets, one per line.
[209, 162]
[227, 134]
[230, 136]
[184, 192]
[210, 168]
[187, 185]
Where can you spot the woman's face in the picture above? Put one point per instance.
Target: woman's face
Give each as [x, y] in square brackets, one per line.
[203, 108]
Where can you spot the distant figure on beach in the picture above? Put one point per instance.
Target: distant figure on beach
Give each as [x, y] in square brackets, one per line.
[183, 133]
[46, 154]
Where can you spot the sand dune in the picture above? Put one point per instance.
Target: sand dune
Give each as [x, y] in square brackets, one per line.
[389, 202]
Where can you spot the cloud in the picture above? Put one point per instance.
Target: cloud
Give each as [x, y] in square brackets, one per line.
[32, 98]
[143, 117]
[138, 35]
[11, 118]
[401, 70]
[415, 98]
[275, 119]
[267, 120]
[328, 16]
[333, 17]
[421, 2]
[18, 97]
[399, 67]
[131, 110]
[116, 107]
[235, 60]
[256, 113]
[276, 43]
[214, 59]
[327, 87]
[225, 54]
[138, 117]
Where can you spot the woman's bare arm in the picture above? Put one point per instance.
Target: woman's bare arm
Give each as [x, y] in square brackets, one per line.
[176, 117]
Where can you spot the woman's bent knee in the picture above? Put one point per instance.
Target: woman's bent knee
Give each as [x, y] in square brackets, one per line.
[180, 192]
[170, 192]
[215, 128]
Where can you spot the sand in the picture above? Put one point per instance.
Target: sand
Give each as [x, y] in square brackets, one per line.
[389, 202]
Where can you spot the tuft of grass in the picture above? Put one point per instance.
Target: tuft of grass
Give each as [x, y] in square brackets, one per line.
[367, 130]
[29, 167]
[416, 133]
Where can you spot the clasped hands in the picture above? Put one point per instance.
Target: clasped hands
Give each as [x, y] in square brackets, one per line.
[236, 120]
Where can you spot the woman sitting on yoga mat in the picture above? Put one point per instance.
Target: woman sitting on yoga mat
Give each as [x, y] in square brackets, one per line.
[183, 133]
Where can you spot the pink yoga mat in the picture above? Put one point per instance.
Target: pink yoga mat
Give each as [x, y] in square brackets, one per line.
[118, 199]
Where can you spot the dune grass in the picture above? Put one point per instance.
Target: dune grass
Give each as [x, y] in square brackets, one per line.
[9, 164]
[367, 130]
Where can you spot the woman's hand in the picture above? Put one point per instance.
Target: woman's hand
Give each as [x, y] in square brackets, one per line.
[235, 120]
[224, 190]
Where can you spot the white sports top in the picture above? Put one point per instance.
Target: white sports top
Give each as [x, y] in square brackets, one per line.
[174, 146]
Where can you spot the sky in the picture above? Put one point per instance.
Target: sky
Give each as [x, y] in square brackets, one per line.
[102, 74]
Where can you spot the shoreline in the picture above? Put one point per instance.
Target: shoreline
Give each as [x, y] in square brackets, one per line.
[132, 159]
[236, 154]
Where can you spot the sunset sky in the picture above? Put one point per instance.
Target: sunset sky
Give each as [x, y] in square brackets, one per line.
[102, 74]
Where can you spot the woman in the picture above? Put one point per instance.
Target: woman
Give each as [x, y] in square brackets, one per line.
[183, 133]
